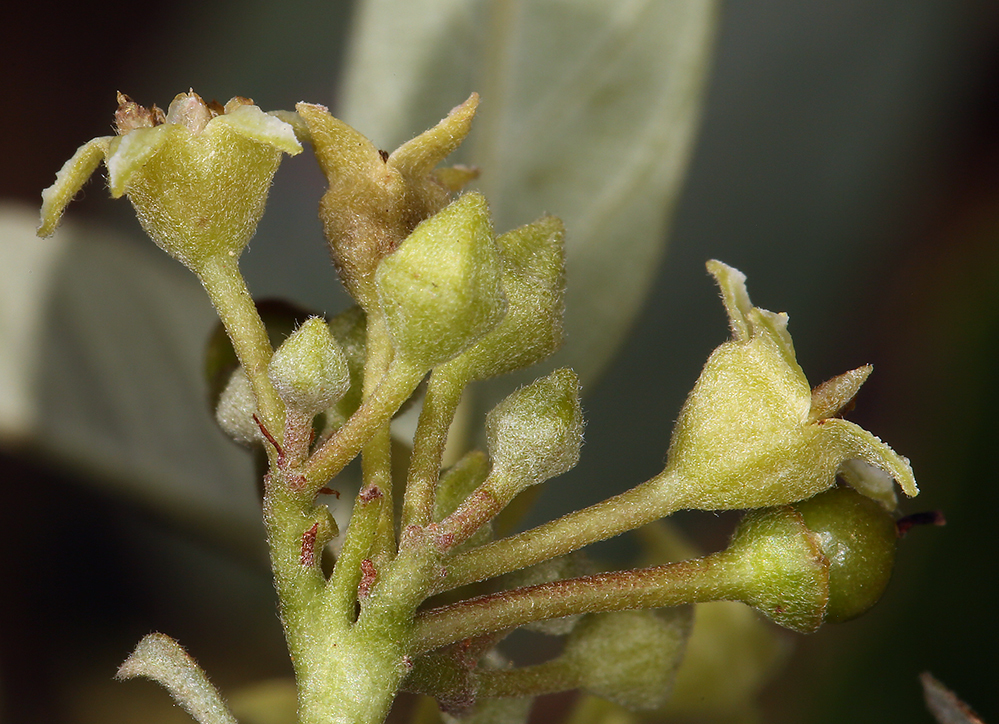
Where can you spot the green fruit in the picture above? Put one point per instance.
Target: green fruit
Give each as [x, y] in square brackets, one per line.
[858, 537]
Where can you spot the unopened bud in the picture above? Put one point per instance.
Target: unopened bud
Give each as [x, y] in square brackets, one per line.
[442, 290]
[236, 407]
[534, 282]
[535, 433]
[309, 370]
[630, 657]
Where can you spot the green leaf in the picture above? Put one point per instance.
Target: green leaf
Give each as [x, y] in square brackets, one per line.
[589, 111]
[101, 370]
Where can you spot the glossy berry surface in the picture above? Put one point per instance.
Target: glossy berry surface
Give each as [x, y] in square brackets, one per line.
[858, 537]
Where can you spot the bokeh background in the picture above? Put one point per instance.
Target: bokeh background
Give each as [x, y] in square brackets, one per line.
[848, 163]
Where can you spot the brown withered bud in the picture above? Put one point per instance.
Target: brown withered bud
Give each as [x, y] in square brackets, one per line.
[375, 199]
[130, 115]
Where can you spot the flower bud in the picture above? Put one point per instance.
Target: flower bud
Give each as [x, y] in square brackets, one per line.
[752, 433]
[309, 370]
[535, 433]
[534, 283]
[349, 329]
[442, 291]
[859, 537]
[376, 199]
[198, 177]
[280, 319]
[235, 409]
[630, 657]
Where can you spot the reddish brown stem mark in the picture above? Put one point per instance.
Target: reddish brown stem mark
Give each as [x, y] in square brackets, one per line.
[929, 517]
[270, 438]
[368, 575]
[368, 494]
[308, 558]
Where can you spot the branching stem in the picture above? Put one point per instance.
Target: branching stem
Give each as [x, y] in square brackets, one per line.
[649, 501]
[674, 584]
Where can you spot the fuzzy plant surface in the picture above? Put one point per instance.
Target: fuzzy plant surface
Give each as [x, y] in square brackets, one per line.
[420, 590]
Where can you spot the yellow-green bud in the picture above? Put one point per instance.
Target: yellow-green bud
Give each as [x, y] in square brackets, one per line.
[535, 433]
[534, 283]
[309, 370]
[442, 290]
[630, 657]
[752, 433]
[198, 177]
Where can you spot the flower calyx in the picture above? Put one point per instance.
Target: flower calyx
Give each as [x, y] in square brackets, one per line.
[533, 278]
[197, 175]
[442, 290]
[753, 434]
[376, 199]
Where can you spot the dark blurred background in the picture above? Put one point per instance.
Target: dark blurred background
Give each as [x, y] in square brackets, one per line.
[848, 164]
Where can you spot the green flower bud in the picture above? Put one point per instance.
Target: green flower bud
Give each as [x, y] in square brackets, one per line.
[442, 291]
[309, 370]
[630, 657]
[236, 406]
[280, 318]
[752, 433]
[858, 536]
[375, 199]
[534, 283]
[198, 177]
[535, 433]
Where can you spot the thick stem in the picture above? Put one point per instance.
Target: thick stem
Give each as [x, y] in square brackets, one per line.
[227, 290]
[342, 587]
[439, 405]
[295, 535]
[653, 499]
[376, 457]
[696, 581]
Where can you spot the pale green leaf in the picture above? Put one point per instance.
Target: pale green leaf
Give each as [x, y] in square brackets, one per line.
[589, 111]
[101, 348]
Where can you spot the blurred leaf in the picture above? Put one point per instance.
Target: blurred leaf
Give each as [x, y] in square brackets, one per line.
[944, 704]
[274, 701]
[589, 112]
[101, 348]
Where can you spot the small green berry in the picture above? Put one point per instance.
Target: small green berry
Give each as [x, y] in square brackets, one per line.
[858, 537]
